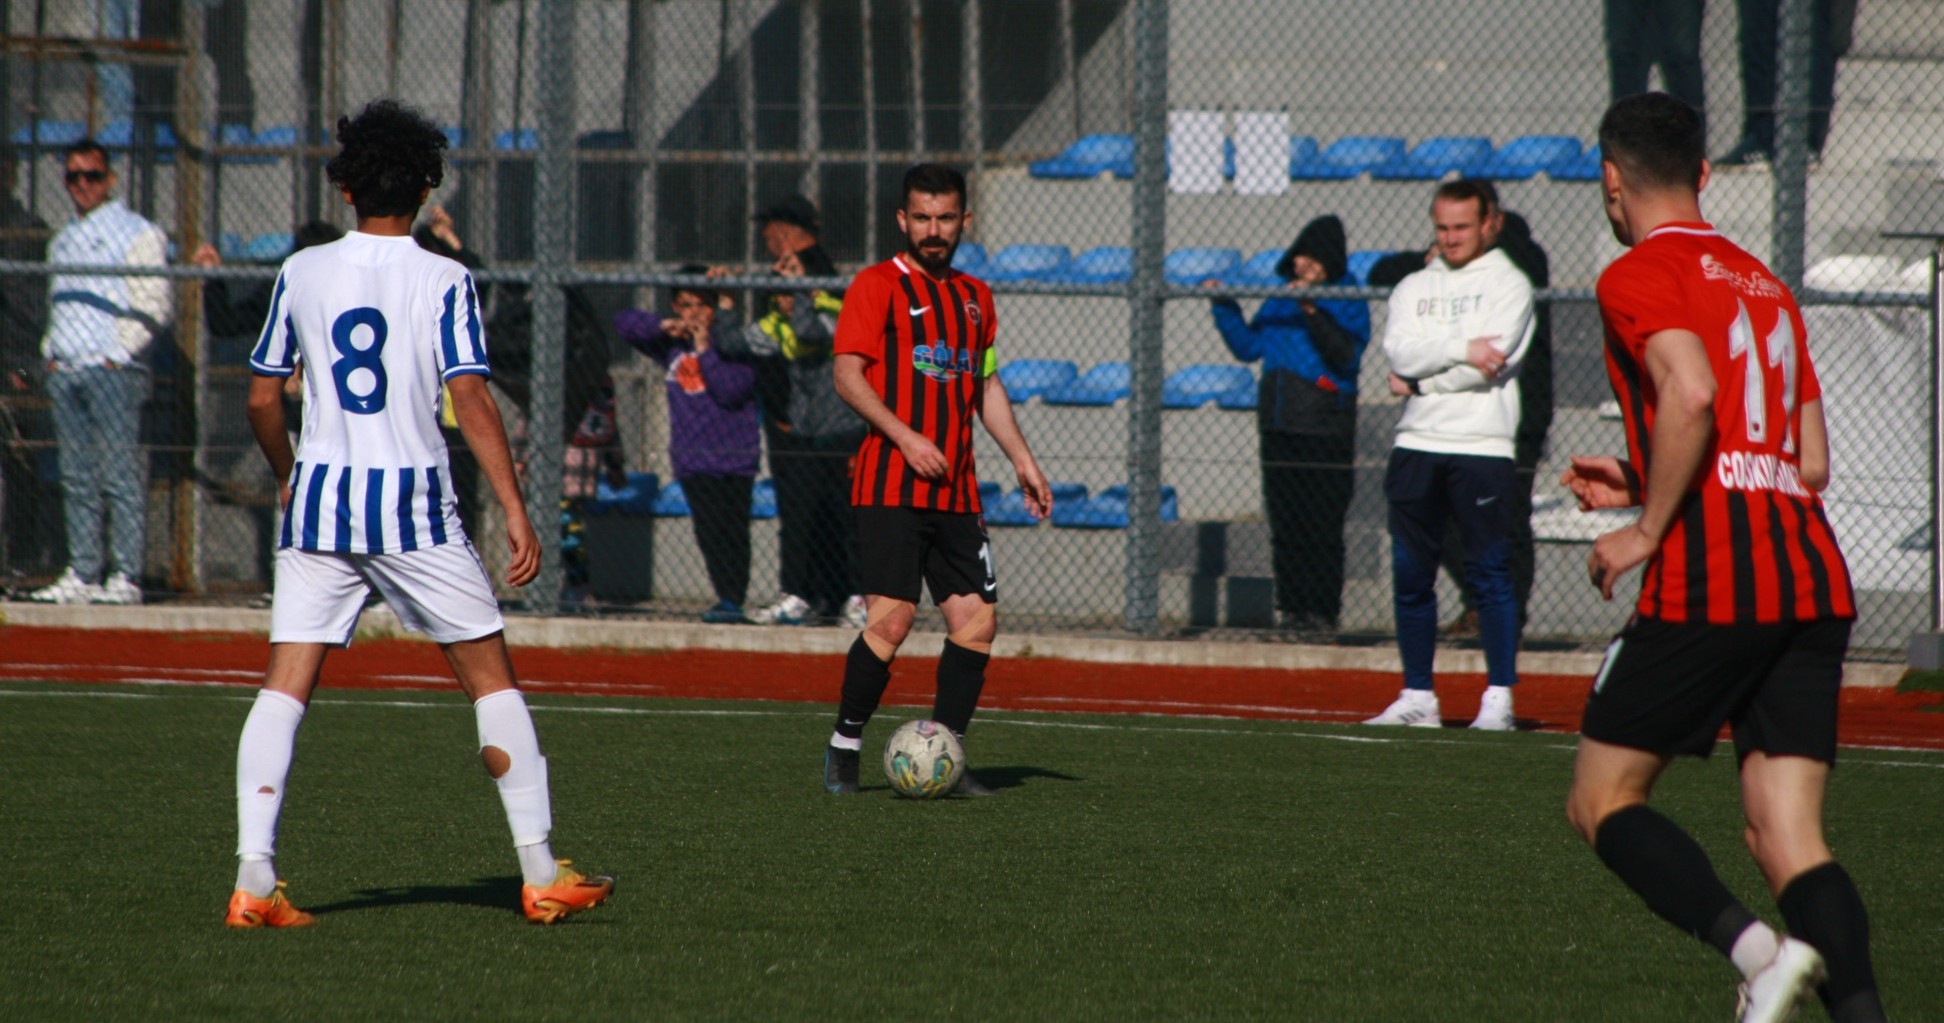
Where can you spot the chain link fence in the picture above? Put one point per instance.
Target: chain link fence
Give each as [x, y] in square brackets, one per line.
[1136, 166]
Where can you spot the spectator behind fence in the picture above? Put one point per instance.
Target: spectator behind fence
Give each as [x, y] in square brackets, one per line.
[1644, 34]
[99, 332]
[713, 441]
[1831, 30]
[812, 433]
[1456, 334]
[1306, 418]
[26, 495]
[23, 298]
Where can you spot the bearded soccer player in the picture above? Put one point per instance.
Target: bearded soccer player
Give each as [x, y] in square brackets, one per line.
[914, 357]
[368, 501]
[1745, 606]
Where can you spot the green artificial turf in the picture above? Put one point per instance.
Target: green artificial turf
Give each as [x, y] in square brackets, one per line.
[1133, 867]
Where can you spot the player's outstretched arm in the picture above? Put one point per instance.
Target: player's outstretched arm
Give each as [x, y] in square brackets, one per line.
[1602, 482]
[479, 422]
[1814, 460]
[920, 453]
[265, 409]
[995, 411]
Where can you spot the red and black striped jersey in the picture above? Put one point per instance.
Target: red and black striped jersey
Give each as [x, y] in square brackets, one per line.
[1751, 543]
[927, 343]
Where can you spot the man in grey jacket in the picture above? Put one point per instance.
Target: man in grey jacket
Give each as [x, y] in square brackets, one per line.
[99, 331]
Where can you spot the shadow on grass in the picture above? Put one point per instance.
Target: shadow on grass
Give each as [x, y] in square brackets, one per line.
[500, 893]
[1014, 777]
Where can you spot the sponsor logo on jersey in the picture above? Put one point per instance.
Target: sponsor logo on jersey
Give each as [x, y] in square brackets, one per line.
[941, 362]
[1758, 285]
[1756, 471]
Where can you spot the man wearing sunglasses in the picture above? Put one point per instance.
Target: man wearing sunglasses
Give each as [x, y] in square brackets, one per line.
[99, 330]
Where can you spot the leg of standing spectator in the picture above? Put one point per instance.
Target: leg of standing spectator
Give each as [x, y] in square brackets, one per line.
[787, 469]
[1415, 487]
[1680, 54]
[124, 468]
[1823, 51]
[1524, 556]
[1628, 41]
[1324, 488]
[1758, 42]
[1482, 492]
[1282, 502]
[75, 431]
[832, 577]
[719, 512]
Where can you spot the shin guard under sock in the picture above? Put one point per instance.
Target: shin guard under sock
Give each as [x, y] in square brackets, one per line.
[1823, 908]
[511, 750]
[1668, 870]
[961, 676]
[864, 680]
[263, 755]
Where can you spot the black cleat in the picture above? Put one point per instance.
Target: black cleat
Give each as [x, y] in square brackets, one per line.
[840, 771]
[970, 786]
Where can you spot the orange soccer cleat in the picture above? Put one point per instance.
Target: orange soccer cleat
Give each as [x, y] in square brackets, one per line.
[246, 910]
[569, 893]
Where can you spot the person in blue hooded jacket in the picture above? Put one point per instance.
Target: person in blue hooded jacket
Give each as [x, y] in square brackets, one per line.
[1306, 414]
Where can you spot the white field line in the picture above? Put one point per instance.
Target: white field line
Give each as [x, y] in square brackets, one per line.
[1191, 705]
[1396, 739]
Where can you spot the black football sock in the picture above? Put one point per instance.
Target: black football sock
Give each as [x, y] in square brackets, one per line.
[1668, 870]
[1824, 909]
[864, 680]
[961, 675]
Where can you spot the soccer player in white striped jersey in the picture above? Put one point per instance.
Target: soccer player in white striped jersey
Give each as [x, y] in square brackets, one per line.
[381, 325]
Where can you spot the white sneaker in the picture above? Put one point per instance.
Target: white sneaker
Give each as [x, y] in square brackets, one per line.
[790, 609]
[1495, 711]
[68, 589]
[855, 614]
[118, 589]
[1415, 707]
[1783, 986]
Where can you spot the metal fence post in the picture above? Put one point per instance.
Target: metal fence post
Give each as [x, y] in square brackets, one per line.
[1146, 295]
[553, 250]
[1927, 648]
[192, 373]
[1791, 142]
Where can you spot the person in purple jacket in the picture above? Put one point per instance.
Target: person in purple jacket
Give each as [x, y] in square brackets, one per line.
[713, 441]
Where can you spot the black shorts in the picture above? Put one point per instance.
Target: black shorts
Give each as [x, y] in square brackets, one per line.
[898, 548]
[1668, 687]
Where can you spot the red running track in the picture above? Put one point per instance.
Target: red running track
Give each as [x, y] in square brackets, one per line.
[1871, 717]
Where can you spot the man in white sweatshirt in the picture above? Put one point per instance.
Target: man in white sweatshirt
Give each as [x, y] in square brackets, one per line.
[1456, 335]
[99, 330]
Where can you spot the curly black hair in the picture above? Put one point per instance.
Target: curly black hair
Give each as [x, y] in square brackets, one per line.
[387, 157]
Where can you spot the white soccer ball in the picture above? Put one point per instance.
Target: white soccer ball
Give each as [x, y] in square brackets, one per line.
[923, 759]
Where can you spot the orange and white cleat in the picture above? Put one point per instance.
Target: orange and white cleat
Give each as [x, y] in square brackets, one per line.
[246, 910]
[569, 893]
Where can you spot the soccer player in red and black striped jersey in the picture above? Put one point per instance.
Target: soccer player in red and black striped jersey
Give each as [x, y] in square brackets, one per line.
[914, 357]
[1745, 607]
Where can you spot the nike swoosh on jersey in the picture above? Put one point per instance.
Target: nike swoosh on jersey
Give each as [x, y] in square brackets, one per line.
[920, 310]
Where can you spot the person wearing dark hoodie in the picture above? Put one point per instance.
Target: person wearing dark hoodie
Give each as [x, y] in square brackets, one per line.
[1306, 414]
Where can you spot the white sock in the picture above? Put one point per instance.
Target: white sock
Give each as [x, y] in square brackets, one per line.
[846, 742]
[262, 764]
[1755, 949]
[537, 864]
[505, 725]
[256, 875]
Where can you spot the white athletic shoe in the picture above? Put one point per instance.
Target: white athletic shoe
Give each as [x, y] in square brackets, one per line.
[790, 609]
[855, 615]
[1783, 986]
[1495, 711]
[118, 589]
[68, 589]
[1415, 707]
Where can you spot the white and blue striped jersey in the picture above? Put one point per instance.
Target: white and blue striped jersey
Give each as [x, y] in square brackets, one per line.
[380, 324]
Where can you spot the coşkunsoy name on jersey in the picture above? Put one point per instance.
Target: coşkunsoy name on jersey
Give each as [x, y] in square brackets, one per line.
[343, 509]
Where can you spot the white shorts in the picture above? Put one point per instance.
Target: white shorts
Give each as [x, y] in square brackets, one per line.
[441, 591]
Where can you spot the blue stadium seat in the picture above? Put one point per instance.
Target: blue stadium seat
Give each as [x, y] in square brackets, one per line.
[1090, 156]
[229, 245]
[239, 135]
[970, 259]
[1259, 271]
[1302, 149]
[280, 136]
[1025, 262]
[671, 502]
[1527, 155]
[1195, 386]
[121, 135]
[1242, 399]
[1584, 167]
[989, 493]
[1361, 261]
[762, 499]
[51, 134]
[518, 139]
[1104, 384]
[1109, 264]
[269, 248]
[1435, 158]
[1010, 510]
[1348, 157]
[1028, 378]
[1189, 267]
[636, 497]
[1108, 510]
[455, 137]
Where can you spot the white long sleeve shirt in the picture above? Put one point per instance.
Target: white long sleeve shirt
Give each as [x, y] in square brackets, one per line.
[1434, 315]
[95, 320]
